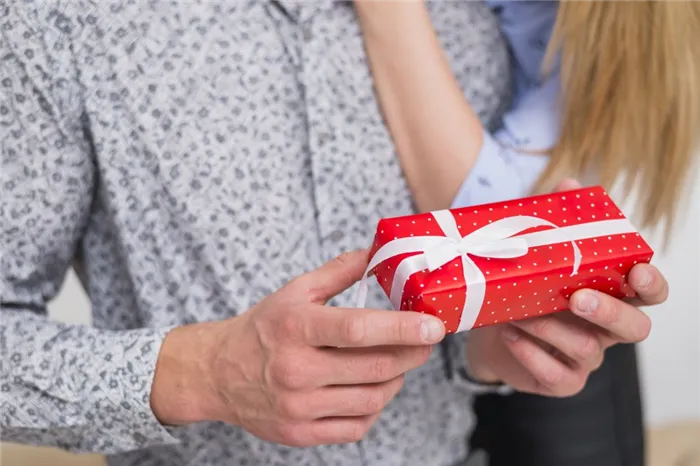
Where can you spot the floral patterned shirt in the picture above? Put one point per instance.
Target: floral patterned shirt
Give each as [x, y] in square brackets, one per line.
[190, 158]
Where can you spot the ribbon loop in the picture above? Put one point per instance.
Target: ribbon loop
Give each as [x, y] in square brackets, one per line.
[442, 253]
[450, 249]
[507, 248]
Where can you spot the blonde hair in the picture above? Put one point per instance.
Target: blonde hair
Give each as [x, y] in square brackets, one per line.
[630, 72]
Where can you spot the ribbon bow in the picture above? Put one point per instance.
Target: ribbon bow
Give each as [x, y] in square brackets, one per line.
[495, 240]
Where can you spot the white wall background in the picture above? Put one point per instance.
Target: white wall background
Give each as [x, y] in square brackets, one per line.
[670, 358]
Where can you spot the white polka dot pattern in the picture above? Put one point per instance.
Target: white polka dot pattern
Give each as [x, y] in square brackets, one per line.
[542, 278]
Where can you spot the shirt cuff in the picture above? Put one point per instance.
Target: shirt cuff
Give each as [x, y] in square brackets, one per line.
[500, 173]
[153, 431]
[80, 388]
[462, 376]
[123, 398]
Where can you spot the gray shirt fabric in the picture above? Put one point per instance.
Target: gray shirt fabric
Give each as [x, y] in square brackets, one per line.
[190, 158]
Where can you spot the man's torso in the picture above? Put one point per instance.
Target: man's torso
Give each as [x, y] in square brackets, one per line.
[237, 145]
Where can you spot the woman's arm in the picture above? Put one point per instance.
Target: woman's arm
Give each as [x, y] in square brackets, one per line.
[447, 156]
[435, 131]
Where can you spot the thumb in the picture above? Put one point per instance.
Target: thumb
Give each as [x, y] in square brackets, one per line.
[567, 184]
[335, 276]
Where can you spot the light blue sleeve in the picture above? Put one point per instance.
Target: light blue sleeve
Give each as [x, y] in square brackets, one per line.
[510, 160]
[527, 26]
[508, 164]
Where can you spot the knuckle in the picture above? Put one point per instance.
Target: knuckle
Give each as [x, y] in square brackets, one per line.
[290, 325]
[541, 327]
[289, 372]
[293, 435]
[354, 329]
[382, 368]
[358, 431]
[527, 355]
[402, 328]
[289, 408]
[589, 350]
[559, 391]
[552, 377]
[375, 401]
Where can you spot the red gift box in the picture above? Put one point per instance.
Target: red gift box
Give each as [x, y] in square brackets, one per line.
[505, 261]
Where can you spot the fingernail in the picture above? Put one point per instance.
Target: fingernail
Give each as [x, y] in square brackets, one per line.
[431, 329]
[510, 334]
[587, 303]
[644, 279]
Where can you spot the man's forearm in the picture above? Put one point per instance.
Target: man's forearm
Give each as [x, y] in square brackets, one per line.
[435, 131]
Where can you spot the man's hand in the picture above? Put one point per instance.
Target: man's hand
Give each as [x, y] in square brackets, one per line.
[292, 370]
[553, 355]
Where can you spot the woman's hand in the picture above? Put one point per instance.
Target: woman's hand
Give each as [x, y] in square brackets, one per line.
[553, 355]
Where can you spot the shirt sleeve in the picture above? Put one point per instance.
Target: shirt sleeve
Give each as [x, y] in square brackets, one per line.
[527, 26]
[74, 387]
[511, 160]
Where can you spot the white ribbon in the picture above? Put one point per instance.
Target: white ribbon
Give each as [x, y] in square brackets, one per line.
[495, 240]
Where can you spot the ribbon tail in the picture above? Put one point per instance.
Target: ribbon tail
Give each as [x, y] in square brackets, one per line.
[362, 290]
[404, 271]
[577, 259]
[475, 293]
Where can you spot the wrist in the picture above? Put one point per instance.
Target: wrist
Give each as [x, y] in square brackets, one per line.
[479, 372]
[183, 389]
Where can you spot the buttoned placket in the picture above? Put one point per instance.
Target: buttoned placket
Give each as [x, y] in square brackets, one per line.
[319, 101]
[307, 17]
[313, 66]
